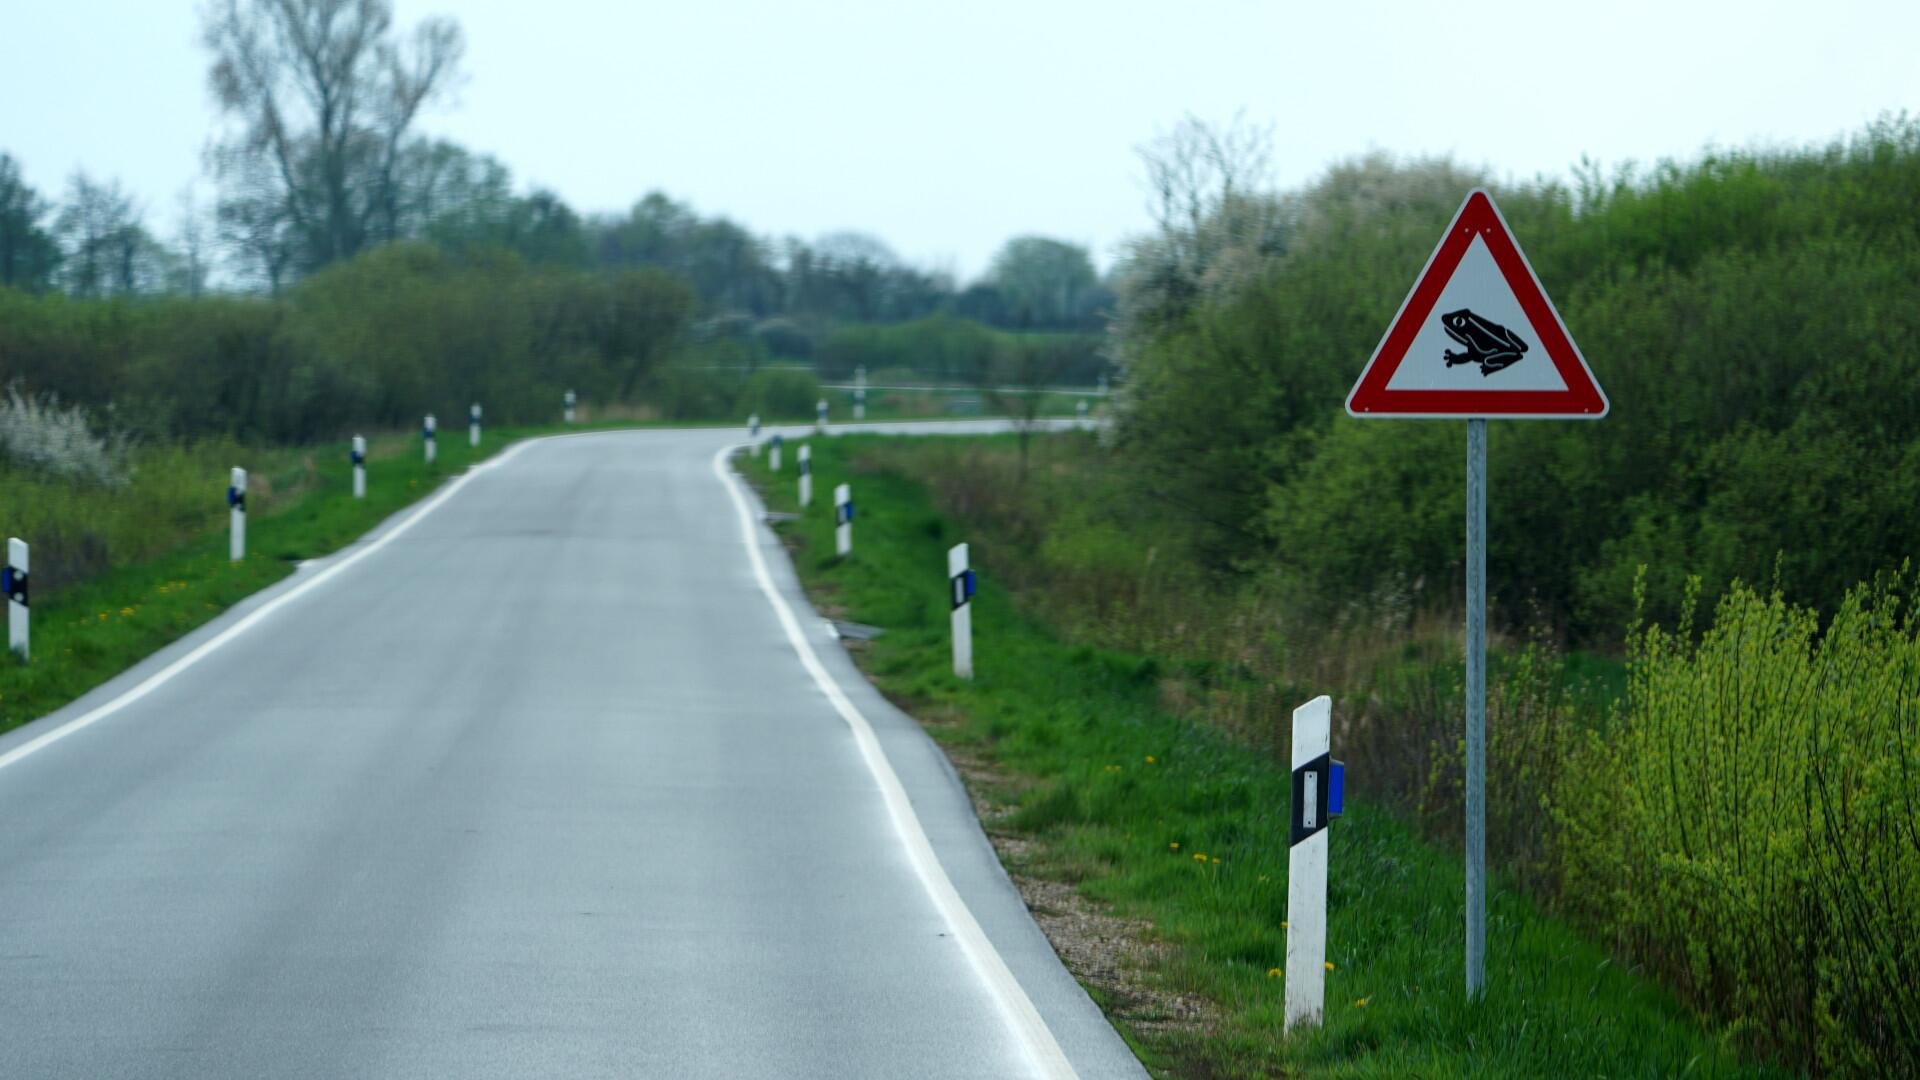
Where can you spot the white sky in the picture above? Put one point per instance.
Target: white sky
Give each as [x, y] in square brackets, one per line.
[947, 128]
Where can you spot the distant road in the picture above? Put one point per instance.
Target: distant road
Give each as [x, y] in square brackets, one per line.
[1076, 391]
[556, 775]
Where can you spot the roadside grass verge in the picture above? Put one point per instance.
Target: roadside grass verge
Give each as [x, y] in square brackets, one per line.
[160, 566]
[1159, 819]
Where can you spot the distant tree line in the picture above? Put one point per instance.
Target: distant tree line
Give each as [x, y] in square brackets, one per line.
[319, 157]
[352, 270]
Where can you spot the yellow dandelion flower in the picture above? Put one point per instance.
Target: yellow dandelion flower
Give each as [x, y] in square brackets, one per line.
[1175, 846]
[125, 611]
[1283, 924]
[1149, 759]
[1362, 1002]
[1329, 965]
[1216, 860]
[1274, 973]
[1199, 856]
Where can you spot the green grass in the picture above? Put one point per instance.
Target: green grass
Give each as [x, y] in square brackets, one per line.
[152, 591]
[935, 403]
[1122, 799]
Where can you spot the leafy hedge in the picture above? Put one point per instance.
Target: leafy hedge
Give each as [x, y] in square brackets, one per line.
[375, 342]
[1751, 315]
[1748, 824]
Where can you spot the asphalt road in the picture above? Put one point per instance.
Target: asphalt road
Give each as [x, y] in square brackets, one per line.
[539, 780]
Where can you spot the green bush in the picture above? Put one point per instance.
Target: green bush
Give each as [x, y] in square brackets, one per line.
[1752, 317]
[781, 393]
[1748, 826]
[373, 342]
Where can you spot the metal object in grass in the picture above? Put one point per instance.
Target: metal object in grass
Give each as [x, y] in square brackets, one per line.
[15, 586]
[960, 588]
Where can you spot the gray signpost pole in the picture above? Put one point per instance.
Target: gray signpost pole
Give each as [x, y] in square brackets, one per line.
[1434, 363]
[1476, 707]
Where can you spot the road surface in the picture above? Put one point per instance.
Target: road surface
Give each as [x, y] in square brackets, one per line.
[555, 775]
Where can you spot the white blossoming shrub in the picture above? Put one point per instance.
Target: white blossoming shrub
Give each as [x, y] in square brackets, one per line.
[39, 433]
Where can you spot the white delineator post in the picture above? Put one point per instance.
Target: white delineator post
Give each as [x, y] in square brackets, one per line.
[843, 520]
[359, 457]
[753, 434]
[820, 414]
[860, 392]
[773, 453]
[473, 424]
[16, 588]
[429, 430]
[806, 476]
[570, 399]
[1317, 796]
[237, 514]
[960, 593]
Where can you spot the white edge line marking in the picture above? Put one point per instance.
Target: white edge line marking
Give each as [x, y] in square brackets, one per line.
[1043, 1051]
[165, 675]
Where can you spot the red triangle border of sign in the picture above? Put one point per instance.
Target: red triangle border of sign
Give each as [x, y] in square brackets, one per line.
[1582, 398]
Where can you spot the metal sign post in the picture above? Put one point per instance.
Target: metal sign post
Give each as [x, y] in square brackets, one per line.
[1477, 339]
[1476, 707]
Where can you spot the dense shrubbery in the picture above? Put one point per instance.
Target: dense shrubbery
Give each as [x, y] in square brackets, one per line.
[1752, 317]
[949, 349]
[1736, 812]
[376, 341]
[1747, 824]
[1742, 820]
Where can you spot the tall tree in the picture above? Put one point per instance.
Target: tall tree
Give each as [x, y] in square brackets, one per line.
[108, 250]
[28, 253]
[1043, 282]
[323, 100]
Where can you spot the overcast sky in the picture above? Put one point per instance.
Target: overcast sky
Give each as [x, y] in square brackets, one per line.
[945, 128]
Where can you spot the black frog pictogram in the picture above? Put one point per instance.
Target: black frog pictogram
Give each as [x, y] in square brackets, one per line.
[1486, 343]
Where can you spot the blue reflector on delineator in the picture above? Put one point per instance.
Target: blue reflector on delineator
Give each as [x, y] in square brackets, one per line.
[1336, 788]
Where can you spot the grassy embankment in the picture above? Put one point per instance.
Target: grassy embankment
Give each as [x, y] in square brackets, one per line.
[1177, 825]
[153, 559]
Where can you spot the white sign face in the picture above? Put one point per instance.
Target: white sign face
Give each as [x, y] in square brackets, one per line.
[1477, 324]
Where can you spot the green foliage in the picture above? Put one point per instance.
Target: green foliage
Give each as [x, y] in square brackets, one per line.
[376, 341]
[949, 349]
[1045, 282]
[1751, 315]
[1170, 823]
[781, 393]
[1747, 825]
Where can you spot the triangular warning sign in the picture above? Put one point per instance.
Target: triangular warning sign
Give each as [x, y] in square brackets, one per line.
[1477, 337]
